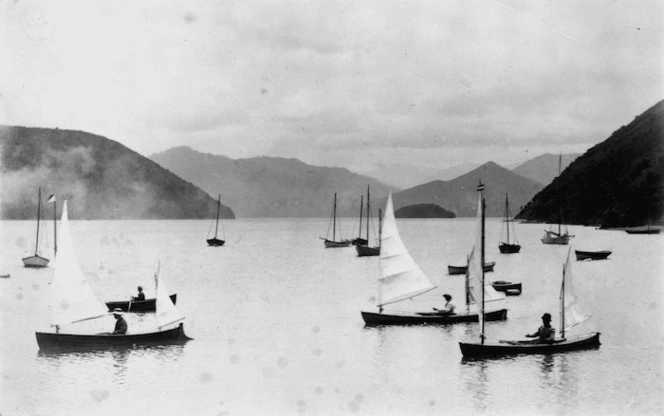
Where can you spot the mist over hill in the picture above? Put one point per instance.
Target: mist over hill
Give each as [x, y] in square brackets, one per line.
[617, 183]
[101, 178]
[272, 187]
[544, 168]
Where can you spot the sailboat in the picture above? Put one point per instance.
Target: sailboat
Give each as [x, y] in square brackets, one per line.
[333, 243]
[73, 302]
[36, 260]
[570, 316]
[507, 245]
[401, 279]
[359, 240]
[557, 237]
[365, 250]
[214, 241]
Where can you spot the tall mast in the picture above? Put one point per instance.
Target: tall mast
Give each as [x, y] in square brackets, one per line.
[368, 213]
[361, 206]
[38, 212]
[562, 305]
[560, 202]
[216, 226]
[55, 227]
[334, 219]
[468, 283]
[480, 188]
[380, 226]
[507, 218]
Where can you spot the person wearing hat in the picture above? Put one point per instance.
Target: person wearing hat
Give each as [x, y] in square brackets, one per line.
[120, 323]
[140, 296]
[545, 333]
[449, 307]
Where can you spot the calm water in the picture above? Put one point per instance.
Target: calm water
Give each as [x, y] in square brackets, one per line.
[277, 329]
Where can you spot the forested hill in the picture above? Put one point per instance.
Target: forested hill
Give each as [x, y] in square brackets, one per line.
[101, 178]
[617, 183]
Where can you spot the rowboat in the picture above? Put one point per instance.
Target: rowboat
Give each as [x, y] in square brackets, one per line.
[509, 288]
[147, 305]
[488, 267]
[592, 255]
[427, 318]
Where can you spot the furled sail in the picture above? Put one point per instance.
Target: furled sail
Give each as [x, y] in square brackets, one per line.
[166, 311]
[570, 315]
[400, 277]
[72, 299]
[475, 267]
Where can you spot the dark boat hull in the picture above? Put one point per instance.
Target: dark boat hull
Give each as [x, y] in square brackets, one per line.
[488, 267]
[215, 242]
[427, 318]
[474, 350]
[336, 244]
[508, 288]
[365, 251]
[147, 305]
[359, 242]
[509, 248]
[35, 261]
[645, 231]
[592, 255]
[51, 341]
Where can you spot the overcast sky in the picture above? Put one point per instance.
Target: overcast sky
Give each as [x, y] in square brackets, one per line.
[359, 84]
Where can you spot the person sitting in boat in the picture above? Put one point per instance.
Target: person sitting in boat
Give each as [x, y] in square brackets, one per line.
[545, 333]
[449, 307]
[120, 323]
[140, 296]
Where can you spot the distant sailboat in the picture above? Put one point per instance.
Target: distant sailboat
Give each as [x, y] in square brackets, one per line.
[365, 250]
[214, 241]
[507, 245]
[401, 279]
[570, 315]
[334, 243]
[557, 237]
[359, 240]
[36, 260]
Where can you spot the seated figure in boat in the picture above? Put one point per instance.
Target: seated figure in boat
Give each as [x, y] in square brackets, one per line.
[140, 296]
[449, 307]
[120, 323]
[545, 333]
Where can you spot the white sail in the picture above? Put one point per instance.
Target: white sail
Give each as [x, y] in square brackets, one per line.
[570, 314]
[72, 299]
[400, 277]
[166, 311]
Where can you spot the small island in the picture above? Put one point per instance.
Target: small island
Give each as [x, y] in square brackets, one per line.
[423, 211]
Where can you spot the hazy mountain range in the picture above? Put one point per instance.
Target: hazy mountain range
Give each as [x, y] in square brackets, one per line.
[460, 196]
[617, 183]
[101, 178]
[544, 168]
[271, 187]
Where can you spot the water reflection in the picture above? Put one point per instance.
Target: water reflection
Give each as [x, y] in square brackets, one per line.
[477, 384]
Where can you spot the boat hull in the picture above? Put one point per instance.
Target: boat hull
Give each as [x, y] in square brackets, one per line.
[488, 267]
[650, 231]
[359, 242]
[365, 251]
[475, 350]
[592, 255]
[509, 288]
[215, 242]
[551, 237]
[53, 341]
[509, 248]
[336, 244]
[147, 305]
[35, 261]
[427, 318]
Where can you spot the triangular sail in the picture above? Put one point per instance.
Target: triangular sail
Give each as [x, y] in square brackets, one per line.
[72, 299]
[400, 277]
[166, 311]
[571, 314]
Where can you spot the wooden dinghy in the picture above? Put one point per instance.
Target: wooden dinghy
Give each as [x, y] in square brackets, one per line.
[488, 267]
[592, 255]
[508, 288]
[147, 305]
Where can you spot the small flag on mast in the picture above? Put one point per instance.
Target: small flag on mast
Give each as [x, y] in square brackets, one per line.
[51, 198]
